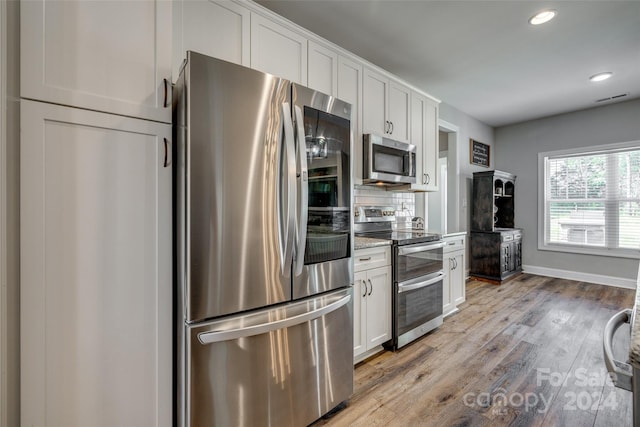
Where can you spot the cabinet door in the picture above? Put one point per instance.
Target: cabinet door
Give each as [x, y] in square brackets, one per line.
[378, 306]
[418, 111]
[360, 288]
[350, 90]
[322, 69]
[278, 50]
[447, 298]
[218, 28]
[374, 103]
[430, 146]
[96, 269]
[398, 111]
[457, 278]
[111, 56]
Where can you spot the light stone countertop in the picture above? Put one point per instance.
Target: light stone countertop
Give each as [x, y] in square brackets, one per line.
[457, 233]
[369, 242]
[634, 345]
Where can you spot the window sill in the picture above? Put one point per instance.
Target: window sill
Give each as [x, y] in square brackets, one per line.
[585, 250]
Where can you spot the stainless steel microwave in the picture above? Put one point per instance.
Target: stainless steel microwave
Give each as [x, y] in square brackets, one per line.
[388, 161]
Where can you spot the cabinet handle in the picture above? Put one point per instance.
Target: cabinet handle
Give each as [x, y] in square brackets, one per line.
[386, 126]
[391, 131]
[165, 103]
[167, 157]
[365, 288]
[428, 178]
[455, 263]
[365, 259]
[370, 287]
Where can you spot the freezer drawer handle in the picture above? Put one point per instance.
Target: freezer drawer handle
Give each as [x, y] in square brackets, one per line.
[218, 336]
[622, 370]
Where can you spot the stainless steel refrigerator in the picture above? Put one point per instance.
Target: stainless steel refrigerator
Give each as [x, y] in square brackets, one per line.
[264, 248]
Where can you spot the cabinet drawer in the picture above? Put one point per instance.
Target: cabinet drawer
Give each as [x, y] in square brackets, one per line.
[365, 259]
[517, 235]
[452, 244]
[507, 237]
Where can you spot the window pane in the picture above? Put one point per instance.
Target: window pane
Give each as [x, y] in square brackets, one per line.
[577, 223]
[629, 226]
[578, 177]
[629, 174]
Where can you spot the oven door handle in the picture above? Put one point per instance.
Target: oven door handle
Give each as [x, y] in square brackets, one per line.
[418, 285]
[622, 372]
[422, 248]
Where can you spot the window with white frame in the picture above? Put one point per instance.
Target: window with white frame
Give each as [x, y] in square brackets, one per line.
[590, 200]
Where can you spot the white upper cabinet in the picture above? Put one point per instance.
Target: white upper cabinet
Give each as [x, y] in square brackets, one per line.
[424, 135]
[111, 56]
[374, 103]
[218, 28]
[278, 50]
[398, 111]
[430, 147]
[350, 90]
[322, 69]
[385, 109]
[96, 272]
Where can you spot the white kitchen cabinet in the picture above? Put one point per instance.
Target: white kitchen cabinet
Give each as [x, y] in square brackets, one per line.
[110, 56]
[322, 69]
[217, 28]
[96, 269]
[424, 135]
[454, 282]
[385, 107]
[350, 90]
[278, 50]
[372, 301]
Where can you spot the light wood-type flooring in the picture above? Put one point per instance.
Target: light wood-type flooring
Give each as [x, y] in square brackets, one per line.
[524, 353]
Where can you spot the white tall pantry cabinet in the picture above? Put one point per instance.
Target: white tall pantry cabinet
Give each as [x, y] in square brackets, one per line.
[96, 269]
[96, 214]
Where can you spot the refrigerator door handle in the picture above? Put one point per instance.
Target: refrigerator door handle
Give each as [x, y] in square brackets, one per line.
[262, 328]
[289, 173]
[622, 371]
[303, 203]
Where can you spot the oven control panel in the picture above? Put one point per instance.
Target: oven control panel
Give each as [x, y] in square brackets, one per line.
[374, 213]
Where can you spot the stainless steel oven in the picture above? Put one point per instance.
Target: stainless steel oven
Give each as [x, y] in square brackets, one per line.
[418, 282]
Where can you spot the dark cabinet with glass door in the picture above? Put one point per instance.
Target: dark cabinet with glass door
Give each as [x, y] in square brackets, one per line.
[496, 245]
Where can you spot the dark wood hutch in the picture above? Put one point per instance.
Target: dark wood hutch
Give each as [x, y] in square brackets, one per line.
[496, 245]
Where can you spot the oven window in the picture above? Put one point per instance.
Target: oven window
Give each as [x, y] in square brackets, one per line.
[418, 306]
[416, 264]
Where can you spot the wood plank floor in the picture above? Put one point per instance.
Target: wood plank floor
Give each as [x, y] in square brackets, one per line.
[525, 353]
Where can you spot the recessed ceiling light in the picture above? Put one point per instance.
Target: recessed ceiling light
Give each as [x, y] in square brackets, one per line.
[601, 76]
[542, 17]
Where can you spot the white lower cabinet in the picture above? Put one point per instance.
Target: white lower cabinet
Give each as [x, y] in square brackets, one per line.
[372, 301]
[454, 283]
[96, 269]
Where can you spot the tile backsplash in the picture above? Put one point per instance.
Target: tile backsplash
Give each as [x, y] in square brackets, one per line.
[404, 203]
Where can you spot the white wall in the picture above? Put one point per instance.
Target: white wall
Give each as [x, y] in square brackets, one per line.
[517, 148]
[469, 127]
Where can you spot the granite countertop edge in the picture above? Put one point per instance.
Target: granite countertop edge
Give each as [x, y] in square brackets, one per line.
[369, 242]
[634, 344]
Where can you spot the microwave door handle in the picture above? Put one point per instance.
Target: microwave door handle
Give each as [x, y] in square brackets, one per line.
[263, 328]
[623, 371]
[290, 174]
[303, 203]
[413, 286]
[422, 248]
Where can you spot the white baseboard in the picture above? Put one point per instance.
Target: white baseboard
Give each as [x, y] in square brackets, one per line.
[582, 277]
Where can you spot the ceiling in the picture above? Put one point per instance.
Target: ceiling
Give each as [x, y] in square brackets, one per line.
[483, 57]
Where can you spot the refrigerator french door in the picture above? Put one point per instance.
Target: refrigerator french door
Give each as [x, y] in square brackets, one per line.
[264, 314]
